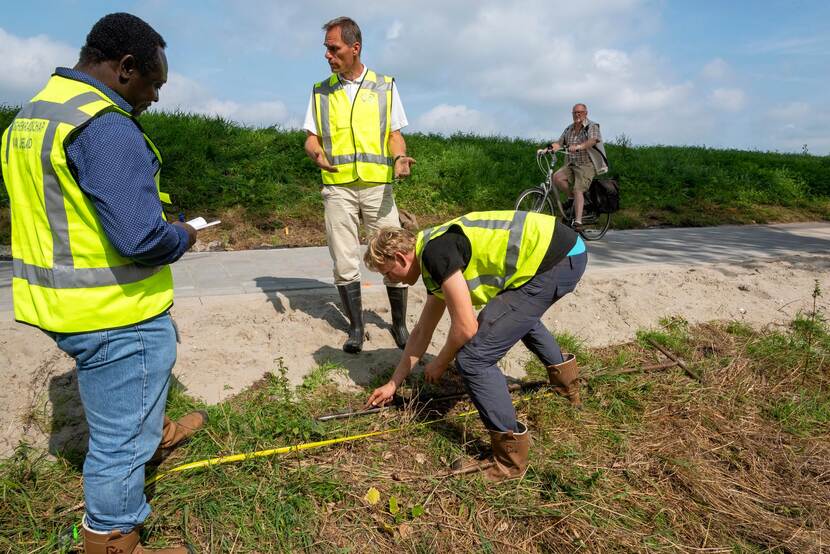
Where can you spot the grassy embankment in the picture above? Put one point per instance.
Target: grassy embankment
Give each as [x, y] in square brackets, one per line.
[259, 182]
[738, 462]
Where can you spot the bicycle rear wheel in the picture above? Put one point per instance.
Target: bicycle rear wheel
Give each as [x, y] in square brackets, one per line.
[535, 200]
[594, 225]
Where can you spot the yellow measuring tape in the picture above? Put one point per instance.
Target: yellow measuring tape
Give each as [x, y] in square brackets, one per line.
[75, 531]
[302, 446]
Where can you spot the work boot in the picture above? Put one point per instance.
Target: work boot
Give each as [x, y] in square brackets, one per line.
[174, 432]
[117, 543]
[510, 454]
[397, 302]
[508, 459]
[352, 306]
[563, 378]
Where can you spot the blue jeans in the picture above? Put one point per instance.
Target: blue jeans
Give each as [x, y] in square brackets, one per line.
[123, 377]
[514, 315]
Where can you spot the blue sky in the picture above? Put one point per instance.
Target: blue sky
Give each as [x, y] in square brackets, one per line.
[741, 74]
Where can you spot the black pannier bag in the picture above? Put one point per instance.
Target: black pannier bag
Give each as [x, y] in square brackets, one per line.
[604, 194]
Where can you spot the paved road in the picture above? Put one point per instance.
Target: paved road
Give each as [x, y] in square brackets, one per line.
[252, 271]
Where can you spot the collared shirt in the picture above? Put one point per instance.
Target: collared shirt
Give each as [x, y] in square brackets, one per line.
[570, 136]
[398, 116]
[115, 168]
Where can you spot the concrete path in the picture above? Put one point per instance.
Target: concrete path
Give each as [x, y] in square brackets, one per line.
[257, 271]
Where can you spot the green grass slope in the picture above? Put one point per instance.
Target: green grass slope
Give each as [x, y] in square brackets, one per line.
[215, 166]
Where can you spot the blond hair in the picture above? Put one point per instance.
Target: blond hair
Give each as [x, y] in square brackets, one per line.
[385, 243]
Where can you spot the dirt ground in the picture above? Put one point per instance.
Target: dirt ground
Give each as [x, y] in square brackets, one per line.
[228, 342]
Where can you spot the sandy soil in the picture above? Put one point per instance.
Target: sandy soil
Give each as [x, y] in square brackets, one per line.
[228, 342]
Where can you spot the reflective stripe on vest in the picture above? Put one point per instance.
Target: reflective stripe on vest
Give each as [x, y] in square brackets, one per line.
[108, 290]
[351, 139]
[511, 247]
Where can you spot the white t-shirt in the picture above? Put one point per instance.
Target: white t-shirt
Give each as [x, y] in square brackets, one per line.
[398, 115]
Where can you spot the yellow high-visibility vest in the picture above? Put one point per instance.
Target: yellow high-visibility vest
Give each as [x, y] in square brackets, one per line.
[66, 275]
[355, 135]
[507, 248]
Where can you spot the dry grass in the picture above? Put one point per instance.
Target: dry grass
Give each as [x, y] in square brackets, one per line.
[656, 462]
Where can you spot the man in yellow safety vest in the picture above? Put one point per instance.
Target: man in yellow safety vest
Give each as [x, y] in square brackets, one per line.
[90, 255]
[514, 264]
[353, 125]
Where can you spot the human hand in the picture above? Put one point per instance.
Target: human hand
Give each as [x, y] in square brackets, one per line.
[323, 163]
[403, 167]
[382, 395]
[434, 371]
[573, 148]
[541, 151]
[191, 232]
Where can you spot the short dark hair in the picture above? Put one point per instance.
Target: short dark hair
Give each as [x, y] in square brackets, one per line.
[118, 34]
[349, 31]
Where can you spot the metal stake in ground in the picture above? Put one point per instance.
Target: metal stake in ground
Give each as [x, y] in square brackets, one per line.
[691, 373]
[424, 400]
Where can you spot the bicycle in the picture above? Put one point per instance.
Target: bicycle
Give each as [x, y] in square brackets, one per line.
[547, 198]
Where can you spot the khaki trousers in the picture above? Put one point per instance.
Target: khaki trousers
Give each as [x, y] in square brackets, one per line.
[579, 176]
[344, 204]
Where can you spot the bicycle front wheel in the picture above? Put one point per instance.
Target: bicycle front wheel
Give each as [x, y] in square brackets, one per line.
[534, 200]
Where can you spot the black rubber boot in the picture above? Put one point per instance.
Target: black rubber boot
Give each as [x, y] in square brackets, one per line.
[350, 297]
[397, 301]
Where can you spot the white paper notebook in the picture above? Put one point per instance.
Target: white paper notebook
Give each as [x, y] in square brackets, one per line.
[200, 223]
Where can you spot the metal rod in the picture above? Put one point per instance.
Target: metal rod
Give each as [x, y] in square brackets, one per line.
[423, 400]
[671, 356]
[644, 369]
[344, 415]
[481, 466]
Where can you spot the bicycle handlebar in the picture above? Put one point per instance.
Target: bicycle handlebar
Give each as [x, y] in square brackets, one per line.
[547, 164]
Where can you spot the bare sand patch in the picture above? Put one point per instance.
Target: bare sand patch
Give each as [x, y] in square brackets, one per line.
[229, 342]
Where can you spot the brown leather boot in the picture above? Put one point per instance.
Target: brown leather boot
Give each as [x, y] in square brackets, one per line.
[117, 543]
[510, 454]
[174, 432]
[563, 377]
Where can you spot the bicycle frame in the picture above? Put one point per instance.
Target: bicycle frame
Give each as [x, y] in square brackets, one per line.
[547, 165]
[594, 223]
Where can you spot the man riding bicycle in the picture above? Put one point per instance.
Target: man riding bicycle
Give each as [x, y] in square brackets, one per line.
[586, 159]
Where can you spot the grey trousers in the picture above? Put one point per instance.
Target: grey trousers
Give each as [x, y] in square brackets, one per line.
[512, 316]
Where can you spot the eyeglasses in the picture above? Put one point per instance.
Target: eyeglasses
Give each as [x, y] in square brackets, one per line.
[577, 113]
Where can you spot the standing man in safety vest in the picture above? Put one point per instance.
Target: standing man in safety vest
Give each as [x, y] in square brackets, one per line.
[354, 123]
[516, 265]
[90, 255]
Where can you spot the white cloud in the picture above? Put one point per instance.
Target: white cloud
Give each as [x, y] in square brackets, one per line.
[447, 119]
[612, 61]
[790, 126]
[507, 66]
[184, 94]
[789, 112]
[727, 99]
[792, 46]
[394, 30]
[524, 64]
[716, 69]
[25, 64]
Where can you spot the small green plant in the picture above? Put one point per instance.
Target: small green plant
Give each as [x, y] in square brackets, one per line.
[811, 332]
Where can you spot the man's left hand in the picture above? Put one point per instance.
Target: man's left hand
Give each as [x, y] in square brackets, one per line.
[433, 372]
[573, 148]
[403, 167]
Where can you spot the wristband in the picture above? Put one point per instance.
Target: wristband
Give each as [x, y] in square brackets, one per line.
[398, 157]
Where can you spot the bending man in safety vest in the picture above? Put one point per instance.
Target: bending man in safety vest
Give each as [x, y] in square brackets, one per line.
[516, 265]
[90, 249]
[354, 123]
